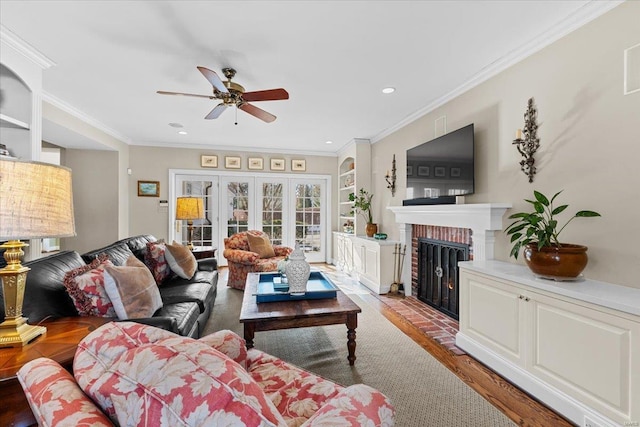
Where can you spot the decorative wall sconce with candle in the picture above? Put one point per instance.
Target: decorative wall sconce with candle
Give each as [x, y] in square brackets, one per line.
[391, 177]
[528, 146]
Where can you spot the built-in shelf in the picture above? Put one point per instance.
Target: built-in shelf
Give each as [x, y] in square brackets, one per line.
[349, 172]
[350, 187]
[10, 122]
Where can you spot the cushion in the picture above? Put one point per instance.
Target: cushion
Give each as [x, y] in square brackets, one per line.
[132, 289]
[261, 245]
[156, 261]
[85, 286]
[141, 375]
[181, 260]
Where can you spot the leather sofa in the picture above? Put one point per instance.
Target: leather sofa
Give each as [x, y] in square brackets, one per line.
[187, 304]
[126, 373]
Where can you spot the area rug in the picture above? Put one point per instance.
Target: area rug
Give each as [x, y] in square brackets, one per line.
[424, 392]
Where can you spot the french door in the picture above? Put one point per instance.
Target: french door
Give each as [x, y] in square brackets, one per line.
[289, 209]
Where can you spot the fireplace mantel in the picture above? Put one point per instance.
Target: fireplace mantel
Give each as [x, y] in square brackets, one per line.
[484, 219]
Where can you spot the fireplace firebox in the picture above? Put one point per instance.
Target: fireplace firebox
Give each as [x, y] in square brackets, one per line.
[438, 274]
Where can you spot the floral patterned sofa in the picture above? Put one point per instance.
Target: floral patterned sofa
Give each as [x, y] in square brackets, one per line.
[241, 261]
[132, 374]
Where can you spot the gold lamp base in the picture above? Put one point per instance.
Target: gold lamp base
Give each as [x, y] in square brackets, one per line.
[14, 331]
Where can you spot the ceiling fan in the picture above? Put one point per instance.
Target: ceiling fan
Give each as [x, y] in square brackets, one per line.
[231, 93]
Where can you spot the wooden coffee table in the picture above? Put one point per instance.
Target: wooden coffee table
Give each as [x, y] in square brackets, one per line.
[59, 343]
[269, 316]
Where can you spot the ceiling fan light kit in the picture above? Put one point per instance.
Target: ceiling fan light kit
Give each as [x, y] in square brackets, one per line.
[233, 94]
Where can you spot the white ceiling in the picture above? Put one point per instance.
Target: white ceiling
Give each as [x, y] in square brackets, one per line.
[333, 57]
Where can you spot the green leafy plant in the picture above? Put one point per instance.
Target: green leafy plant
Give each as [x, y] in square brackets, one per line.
[540, 226]
[362, 204]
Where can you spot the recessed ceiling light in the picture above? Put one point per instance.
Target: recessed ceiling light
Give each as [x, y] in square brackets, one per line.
[182, 132]
[175, 125]
[329, 142]
[388, 90]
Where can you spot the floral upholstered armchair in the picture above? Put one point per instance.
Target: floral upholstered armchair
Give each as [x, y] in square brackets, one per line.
[125, 373]
[243, 260]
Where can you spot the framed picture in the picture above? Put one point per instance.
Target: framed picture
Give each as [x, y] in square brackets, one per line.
[454, 172]
[277, 164]
[439, 171]
[149, 188]
[298, 165]
[256, 163]
[423, 170]
[208, 161]
[232, 162]
[409, 170]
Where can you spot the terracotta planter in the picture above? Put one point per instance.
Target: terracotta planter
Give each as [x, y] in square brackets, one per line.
[565, 262]
[371, 229]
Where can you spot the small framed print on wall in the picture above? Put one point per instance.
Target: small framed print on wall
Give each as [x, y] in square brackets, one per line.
[232, 162]
[277, 164]
[298, 165]
[409, 170]
[148, 188]
[454, 172]
[255, 163]
[423, 170]
[439, 171]
[208, 161]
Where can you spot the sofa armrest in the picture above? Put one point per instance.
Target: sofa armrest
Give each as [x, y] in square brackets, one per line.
[207, 264]
[282, 250]
[356, 405]
[241, 257]
[228, 343]
[167, 323]
[55, 398]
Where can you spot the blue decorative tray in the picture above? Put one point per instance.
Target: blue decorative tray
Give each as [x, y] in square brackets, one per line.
[271, 289]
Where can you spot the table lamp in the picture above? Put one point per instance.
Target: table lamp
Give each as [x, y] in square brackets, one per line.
[36, 203]
[189, 208]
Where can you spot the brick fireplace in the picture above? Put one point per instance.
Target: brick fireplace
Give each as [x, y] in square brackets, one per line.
[472, 224]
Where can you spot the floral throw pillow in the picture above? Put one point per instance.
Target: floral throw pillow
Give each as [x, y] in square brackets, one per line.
[155, 259]
[85, 286]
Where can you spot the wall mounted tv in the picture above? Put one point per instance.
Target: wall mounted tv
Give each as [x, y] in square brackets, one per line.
[441, 169]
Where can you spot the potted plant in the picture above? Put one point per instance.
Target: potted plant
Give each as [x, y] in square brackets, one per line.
[538, 232]
[362, 205]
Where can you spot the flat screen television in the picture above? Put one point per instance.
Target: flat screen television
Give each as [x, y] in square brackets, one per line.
[441, 169]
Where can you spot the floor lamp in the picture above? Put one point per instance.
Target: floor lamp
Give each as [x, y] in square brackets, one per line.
[37, 203]
[189, 208]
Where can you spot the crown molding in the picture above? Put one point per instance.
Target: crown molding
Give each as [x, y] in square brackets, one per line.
[355, 141]
[234, 148]
[30, 52]
[67, 108]
[575, 20]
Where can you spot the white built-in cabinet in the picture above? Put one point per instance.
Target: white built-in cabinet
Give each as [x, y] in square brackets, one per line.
[574, 346]
[373, 262]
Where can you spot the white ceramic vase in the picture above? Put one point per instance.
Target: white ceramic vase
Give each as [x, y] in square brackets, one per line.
[297, 270]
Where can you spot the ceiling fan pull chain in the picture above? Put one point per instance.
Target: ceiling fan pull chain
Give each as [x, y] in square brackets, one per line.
[236, 114]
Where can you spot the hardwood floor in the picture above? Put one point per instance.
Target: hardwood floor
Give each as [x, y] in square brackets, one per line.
[513, 402]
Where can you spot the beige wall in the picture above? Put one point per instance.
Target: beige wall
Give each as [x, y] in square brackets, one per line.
[590, 142]
[95, 192]
[153, 164]
[87, 165]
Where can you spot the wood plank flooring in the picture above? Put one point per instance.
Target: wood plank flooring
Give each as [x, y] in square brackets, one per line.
[520, 407]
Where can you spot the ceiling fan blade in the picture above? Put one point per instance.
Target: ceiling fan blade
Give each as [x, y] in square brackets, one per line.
[213, 79]
[215, 113]
[257, 112]
[164, 92]
[266, 95]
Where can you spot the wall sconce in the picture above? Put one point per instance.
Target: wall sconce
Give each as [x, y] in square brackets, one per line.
[391, 177]
[528, 146]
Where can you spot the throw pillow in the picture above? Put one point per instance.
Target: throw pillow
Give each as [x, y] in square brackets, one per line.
[181, 260]
[132, 289]
[261, 245]
[85, 286]
[141, 375]
[156, 261]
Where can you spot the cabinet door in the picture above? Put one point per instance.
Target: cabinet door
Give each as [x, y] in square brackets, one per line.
[491, 312]
[588, 354]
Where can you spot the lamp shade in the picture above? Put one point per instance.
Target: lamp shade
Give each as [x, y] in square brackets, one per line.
[36, 200]
[189, 208]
